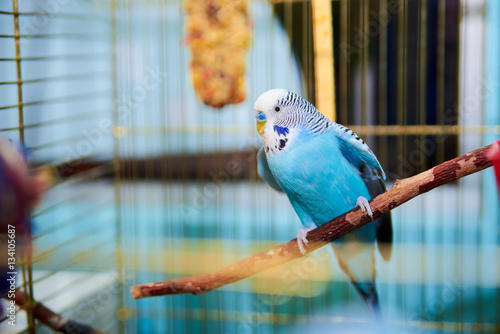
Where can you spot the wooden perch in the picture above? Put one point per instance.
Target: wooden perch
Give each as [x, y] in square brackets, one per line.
[401, 192]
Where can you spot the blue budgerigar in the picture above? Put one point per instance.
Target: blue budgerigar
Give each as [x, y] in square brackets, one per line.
[325, 170]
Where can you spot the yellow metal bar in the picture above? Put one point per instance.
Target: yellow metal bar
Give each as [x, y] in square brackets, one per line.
[87, 175]
[62, 120]
[26, 268]
[58, 142]
[71, 221]
[69, 36]
[18, 72]
[344, 61]
[89, 233]
[94, 94]
[116, 166]
[59, 77]
[440, 71]
[383, 154]
[323, 57]
[83, 280]
[365, 54]
[77, 260]
[361, 130]
[85, 195]
[59, 57]
[92, 17]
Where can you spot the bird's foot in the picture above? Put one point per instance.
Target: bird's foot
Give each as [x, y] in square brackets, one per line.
[302, 237]
[364, 206]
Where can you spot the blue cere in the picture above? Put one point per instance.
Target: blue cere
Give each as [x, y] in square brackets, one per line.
[260, 116]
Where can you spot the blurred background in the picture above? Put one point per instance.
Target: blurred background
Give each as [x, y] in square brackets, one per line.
[151, 184]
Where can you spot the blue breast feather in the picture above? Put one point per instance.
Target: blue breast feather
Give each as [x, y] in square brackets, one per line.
[281, 131]
[320, 183]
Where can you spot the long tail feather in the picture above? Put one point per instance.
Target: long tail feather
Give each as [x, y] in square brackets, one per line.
[369, 294]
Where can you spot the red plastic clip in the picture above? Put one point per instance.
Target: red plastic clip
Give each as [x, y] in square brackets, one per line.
[494, 156]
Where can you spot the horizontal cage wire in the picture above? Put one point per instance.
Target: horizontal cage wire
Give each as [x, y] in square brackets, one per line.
[150, 173]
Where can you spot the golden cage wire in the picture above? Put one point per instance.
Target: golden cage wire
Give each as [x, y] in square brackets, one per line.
[147, 196]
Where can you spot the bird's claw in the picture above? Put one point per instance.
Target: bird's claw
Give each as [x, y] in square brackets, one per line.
[302, 237]
[364, 206]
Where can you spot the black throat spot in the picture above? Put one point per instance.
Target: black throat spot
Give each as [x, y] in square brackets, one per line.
[282, 143]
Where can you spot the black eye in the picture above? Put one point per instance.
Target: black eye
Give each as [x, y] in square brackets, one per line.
[277, 109]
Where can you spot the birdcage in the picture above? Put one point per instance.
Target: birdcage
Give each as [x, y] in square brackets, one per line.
[149, 183]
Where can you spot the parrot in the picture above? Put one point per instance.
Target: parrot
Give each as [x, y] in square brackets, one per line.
[325, 170]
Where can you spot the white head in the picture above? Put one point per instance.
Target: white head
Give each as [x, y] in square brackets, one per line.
[284, 109]
[267, 108]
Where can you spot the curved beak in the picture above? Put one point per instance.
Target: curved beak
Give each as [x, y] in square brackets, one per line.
[261, 122]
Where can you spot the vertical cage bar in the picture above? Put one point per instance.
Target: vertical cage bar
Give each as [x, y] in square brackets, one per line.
[400, 101]
[26, 268]
[17, 43]
[344, 57]
[382, 84]
[365, 53]
[422, 66]
[440, 106]
[323, 57]
[422, 119]
[440, 97]
[459, 311]
[401, 110]
[121, 310]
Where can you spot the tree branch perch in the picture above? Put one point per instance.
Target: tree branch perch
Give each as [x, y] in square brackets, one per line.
[401, 192]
